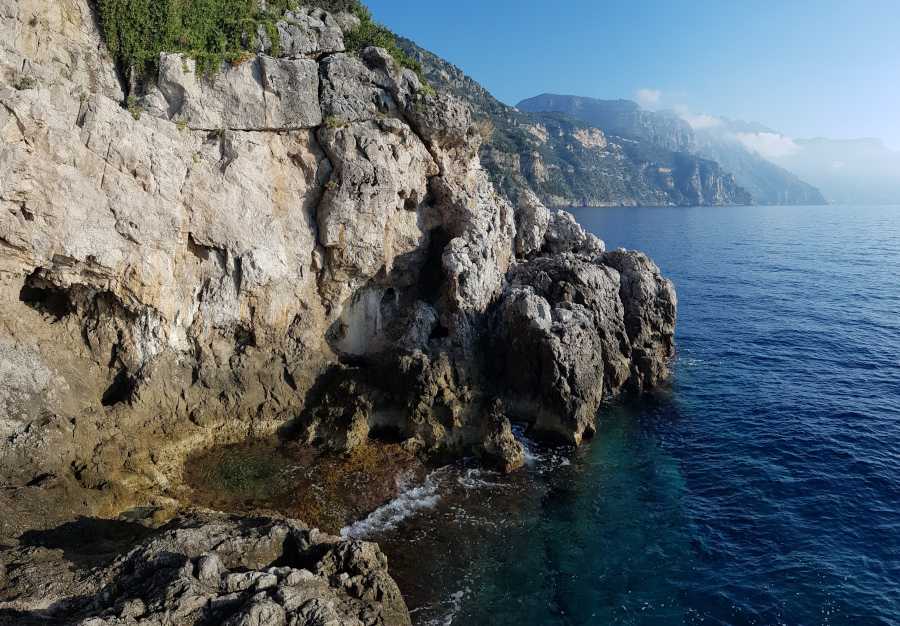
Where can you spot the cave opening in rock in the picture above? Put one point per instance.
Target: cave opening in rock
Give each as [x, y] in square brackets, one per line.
[387, 434]
[44, 297]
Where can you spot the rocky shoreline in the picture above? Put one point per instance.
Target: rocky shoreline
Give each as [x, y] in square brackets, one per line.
[304, 245]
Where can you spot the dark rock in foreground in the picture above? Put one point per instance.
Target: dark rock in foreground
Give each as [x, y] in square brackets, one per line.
[215, 569]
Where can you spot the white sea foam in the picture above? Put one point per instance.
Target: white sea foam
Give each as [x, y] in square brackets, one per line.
[409, 502]
[473, 479]
[451, 607]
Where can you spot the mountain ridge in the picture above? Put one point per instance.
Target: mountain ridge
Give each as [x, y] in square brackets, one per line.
[568, 162]
[767, 182]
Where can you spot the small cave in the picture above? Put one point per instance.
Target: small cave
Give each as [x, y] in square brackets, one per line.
[440, 331]
[198, 250]
[358, 361]
[45, 297]
[244, 337]
[386, 434]
[120, 389]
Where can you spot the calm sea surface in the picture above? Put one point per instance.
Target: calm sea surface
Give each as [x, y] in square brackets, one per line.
[761, 485]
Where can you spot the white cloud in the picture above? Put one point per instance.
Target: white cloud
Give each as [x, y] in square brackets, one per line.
[767, 145]
[649, 97]
[836, 165]
[698, 121]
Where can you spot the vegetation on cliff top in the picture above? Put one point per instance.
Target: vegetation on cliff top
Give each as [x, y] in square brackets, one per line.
[217, 31]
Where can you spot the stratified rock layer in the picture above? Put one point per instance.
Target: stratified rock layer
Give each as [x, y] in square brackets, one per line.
[306, 243]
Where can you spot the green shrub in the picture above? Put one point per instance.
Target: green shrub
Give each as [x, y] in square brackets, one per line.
[133, 108]
[26, 82]
[213, 31]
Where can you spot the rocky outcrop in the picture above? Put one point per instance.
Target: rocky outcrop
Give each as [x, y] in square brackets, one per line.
[214, 569]
[307, 32]
[578, 323]
[305, 245]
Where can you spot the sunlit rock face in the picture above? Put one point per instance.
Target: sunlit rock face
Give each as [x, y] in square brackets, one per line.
[307, 243]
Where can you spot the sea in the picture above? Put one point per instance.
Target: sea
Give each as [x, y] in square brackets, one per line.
[759, 485]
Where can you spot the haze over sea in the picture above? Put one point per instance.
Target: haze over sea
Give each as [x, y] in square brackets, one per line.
[761, 485]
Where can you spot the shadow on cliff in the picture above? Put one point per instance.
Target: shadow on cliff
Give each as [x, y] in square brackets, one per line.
[87, 541]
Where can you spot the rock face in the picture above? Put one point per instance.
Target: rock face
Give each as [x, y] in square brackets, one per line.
[306, 244]
[213, 569]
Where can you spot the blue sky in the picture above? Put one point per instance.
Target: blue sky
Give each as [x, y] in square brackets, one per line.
[803, 68]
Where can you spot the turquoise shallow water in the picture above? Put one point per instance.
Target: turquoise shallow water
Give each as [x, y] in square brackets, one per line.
[761, 485]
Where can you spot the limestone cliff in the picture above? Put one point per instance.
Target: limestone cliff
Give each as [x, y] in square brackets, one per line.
[305, 244]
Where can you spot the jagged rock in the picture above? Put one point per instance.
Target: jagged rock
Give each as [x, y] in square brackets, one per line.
[650, 311]
[532, 220]
[347, 21]
[573, 327]
[308, 32]
[551, 361]
[355, 90]
[575, 279]
[500, 447]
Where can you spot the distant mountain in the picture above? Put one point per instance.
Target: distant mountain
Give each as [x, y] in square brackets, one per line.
[730, 143]
[715, 139]
[568, 162]
[851, 171]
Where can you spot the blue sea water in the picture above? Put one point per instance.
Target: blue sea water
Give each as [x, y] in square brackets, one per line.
[759, 485]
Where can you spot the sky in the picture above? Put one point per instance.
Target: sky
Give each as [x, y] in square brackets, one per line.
[805, 69]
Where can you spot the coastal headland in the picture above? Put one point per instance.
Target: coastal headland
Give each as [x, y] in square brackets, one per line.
[301, 243]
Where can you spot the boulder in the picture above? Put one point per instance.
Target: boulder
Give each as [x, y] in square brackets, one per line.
[564, 234]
